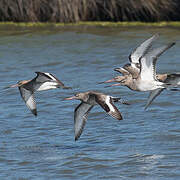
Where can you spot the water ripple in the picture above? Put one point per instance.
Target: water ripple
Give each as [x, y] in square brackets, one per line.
[145, 145]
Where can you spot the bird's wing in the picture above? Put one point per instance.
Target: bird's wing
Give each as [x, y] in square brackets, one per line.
[173, 79]
[141, 50]
[47, 77]
[152, 95]
[107, 104]
[148, 62]
[80, 118]
[28, 98]
[43, 77]
[118, 99]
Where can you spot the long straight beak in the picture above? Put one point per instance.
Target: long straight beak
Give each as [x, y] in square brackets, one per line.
[70, 98]
[108, 81]
[117, 84]
[13, 86]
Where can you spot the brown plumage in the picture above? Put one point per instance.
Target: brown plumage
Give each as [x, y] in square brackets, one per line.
[88, 100]
[43, 81]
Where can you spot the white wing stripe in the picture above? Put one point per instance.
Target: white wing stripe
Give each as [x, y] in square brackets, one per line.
[109, 104]
[48, 74]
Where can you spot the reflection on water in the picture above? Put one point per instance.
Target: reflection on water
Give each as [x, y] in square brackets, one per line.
[144, 145]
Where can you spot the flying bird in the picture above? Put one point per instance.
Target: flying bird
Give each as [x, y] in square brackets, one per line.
[134, 58]
[166, 78]
[140, 73]
[88, 100]
[146, 79]
[43, 81]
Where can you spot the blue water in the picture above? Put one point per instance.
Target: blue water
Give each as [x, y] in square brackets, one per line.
[145, 145]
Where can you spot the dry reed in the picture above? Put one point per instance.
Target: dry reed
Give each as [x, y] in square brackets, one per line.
[89, 10]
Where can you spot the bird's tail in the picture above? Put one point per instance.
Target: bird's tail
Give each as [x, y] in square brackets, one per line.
[122, 101]
[170, 86]
[66, 87]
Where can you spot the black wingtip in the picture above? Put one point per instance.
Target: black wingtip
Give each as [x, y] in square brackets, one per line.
[116, 99]
[145, 108]
[120, 118]
[122, 101]
[77, 136]
[34, 111]
[126, 103]
[174, 89]
[171, 44]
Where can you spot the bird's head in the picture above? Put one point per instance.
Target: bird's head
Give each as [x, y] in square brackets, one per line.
[19, 83]
[78, 96]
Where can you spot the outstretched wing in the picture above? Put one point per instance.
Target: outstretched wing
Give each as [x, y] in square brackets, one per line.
[45, 77]
[173, 79]
[80, 118]
[107, 104]
[141, 50]
[45, 81]
[152, 95]
[148, 62]
[28, 98]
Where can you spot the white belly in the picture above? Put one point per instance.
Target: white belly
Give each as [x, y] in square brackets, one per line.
[149, 85]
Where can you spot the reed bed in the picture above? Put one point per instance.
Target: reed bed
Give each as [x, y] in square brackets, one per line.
[67, 11]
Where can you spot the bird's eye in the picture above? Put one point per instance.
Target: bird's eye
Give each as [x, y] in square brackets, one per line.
[137, 65]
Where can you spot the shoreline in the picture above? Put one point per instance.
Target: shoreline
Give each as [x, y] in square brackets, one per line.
[93, 23]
